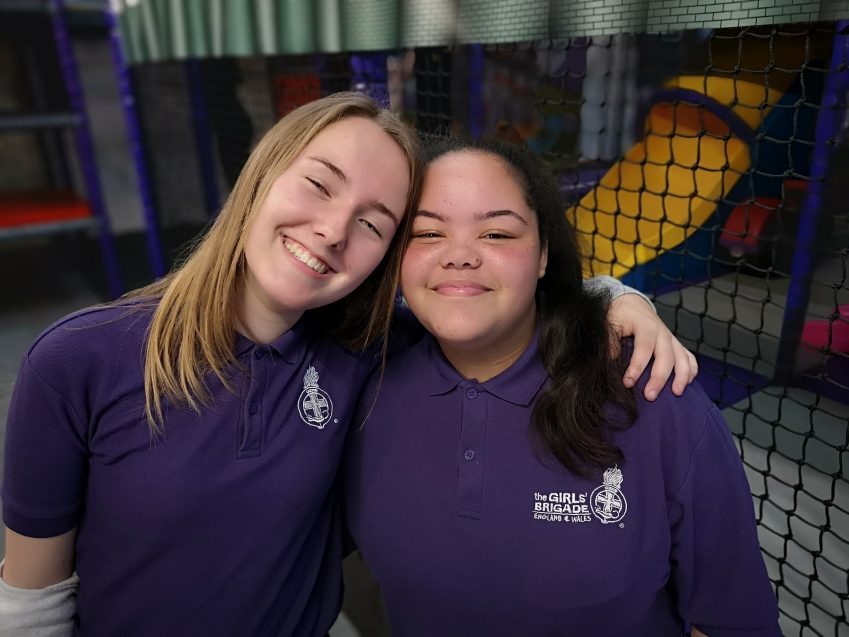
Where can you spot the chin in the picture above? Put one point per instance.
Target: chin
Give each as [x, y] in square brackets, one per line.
[315, 300]
[461, 337]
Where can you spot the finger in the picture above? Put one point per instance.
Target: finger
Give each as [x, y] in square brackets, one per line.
[683, 373]
[694, 366]
[662, 366]
[686, 368]
[644, 346]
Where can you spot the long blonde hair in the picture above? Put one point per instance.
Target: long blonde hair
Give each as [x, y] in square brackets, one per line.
[194, 324]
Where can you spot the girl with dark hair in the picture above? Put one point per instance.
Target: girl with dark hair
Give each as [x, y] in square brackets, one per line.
[504, 481]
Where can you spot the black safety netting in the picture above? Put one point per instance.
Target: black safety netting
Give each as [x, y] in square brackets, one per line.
[706, 168]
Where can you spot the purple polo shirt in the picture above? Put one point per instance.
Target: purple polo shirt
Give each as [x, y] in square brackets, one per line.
[469, 533]
[228, 525]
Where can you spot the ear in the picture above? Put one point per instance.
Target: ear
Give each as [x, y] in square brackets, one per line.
[543, 260]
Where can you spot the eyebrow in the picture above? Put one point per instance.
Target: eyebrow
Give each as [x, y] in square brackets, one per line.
[374, 204]
[381, 208]
[492, 214]
[331, 167]
[480, 216]
[432, 215]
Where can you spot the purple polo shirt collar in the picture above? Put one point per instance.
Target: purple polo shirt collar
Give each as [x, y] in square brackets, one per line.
[291, 345]
[518, 384]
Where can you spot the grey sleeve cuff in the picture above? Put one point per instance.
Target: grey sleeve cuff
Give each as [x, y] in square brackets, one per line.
[614, 287]
[40, 612]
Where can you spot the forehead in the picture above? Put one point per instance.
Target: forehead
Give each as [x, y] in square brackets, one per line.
[471, 162]
[472, 178]
[367, 155]
[353, 134]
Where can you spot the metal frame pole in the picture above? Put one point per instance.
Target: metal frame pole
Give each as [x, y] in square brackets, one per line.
[128, 101]
[829, 119]
[85, 147]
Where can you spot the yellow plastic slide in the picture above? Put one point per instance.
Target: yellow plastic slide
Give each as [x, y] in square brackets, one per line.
[670, 183]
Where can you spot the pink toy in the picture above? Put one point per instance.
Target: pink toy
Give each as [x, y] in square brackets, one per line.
[815, 334]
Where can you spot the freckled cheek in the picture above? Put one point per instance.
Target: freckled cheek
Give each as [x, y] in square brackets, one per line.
[419, 262]
[516, 266]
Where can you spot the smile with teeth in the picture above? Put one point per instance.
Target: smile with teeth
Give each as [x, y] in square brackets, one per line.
[305, 257]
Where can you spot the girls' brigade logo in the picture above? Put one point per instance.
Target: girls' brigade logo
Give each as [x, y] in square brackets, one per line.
[607, 502]
[314, 404]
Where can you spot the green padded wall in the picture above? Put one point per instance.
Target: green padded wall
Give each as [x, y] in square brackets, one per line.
[174, 29]
[494, 21]
[370, 25]
[428, 22]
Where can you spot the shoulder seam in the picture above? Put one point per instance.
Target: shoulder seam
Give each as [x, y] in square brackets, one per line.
[67, 319]
[47, 384]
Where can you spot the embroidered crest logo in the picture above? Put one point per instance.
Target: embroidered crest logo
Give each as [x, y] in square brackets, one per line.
[314, 404]
[607, 502]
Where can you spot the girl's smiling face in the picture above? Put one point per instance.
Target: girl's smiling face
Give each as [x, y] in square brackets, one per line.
[470, 272]
[325, 224]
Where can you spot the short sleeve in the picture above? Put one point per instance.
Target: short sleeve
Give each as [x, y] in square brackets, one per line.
[718, 573]
[46, 459]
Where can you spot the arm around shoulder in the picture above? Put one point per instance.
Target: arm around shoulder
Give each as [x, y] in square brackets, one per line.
[633, 314]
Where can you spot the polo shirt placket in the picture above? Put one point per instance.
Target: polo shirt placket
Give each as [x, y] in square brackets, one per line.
[252, 427]
[471, 456]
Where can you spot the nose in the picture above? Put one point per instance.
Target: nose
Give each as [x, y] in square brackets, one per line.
[460, 256]
[331, 227]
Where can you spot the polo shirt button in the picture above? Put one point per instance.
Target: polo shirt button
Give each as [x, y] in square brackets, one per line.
[472, 393]
[259, 353]
[254, 408]
[470, 453]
